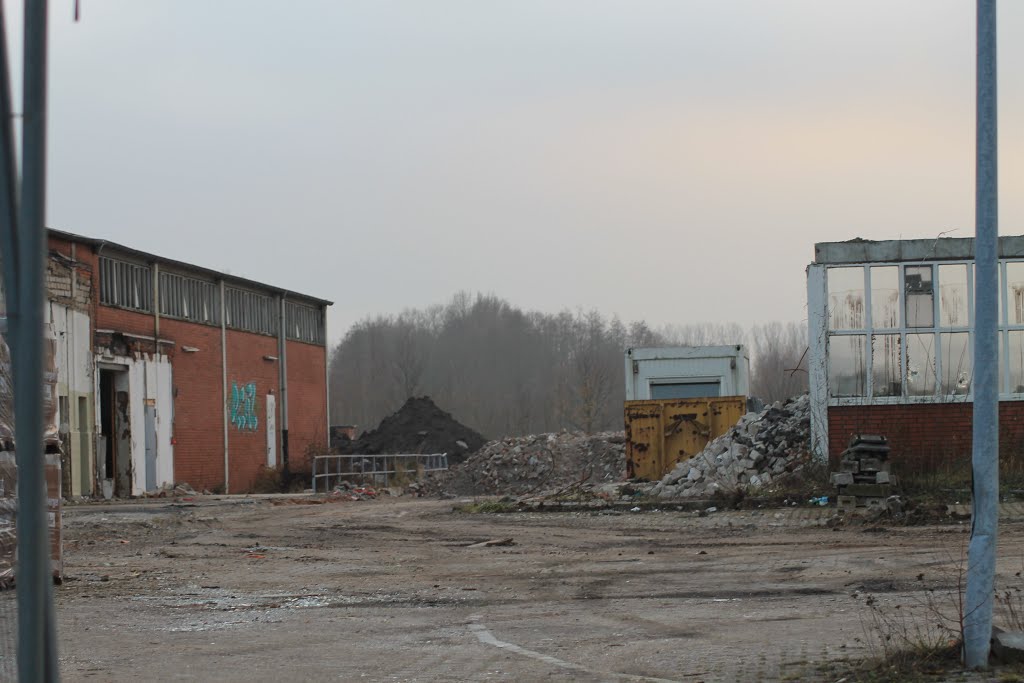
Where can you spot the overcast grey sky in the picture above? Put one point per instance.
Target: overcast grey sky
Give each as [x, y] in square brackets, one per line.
[668, 160]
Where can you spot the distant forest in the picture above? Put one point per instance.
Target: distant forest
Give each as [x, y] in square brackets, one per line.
[504, 371]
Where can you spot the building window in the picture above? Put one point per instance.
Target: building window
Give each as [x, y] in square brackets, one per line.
[125, 284]
[304, 323]
[249, 311]
[189, 299]
[917, 342]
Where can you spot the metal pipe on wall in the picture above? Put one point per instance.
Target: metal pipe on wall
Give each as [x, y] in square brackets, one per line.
[282, 342]
[224, 381]
[981, 558]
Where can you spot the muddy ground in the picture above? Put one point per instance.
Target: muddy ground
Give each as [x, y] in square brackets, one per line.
[270, 590]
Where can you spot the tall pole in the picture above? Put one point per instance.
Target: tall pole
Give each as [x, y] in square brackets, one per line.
[981, 557]
[37, 659]
[8, 179]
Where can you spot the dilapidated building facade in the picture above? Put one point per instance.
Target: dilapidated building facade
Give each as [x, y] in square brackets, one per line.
[891, 348]
[168, 372]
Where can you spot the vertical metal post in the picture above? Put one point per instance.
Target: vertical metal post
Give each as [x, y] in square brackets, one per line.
[283, 332]
[36, 642]
[224, 380]
[8, 181]
[981, 558]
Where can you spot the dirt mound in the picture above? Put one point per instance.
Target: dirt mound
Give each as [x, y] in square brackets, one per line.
[419, 426]
[538, 462]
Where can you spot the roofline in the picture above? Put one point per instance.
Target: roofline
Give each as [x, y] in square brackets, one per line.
[857, 251]
[153, 258]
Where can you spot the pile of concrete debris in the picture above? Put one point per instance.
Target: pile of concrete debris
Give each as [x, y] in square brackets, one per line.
[762, 448]
[528, 464]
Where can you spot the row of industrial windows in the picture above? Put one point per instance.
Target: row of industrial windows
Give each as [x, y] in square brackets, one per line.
[905, 330]
[129, 285]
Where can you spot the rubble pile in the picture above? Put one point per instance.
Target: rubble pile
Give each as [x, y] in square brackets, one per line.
[527, 464]
[760, 449]
[419, 426]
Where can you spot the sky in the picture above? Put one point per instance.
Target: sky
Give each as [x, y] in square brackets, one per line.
[666, 160]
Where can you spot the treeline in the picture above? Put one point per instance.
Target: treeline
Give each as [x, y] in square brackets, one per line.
[505, 371]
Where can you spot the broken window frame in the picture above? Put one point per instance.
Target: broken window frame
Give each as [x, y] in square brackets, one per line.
[126, 284]
[250, 311]
[188, 298]
[937, 330]
[304, 322]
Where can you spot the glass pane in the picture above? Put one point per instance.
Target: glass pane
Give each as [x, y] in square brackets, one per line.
[886, 378]
[1016, 362]
[846, 298]
[956, 364]
[1002, 363]
[847, 365]
[953, 296]
[920, 364]
[885, 297]
[1015, 292]
[918, 286]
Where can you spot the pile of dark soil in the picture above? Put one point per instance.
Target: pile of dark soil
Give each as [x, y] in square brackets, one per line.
[419, 426]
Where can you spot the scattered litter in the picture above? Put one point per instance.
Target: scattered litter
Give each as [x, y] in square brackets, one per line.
[636, 509]
[492, 543]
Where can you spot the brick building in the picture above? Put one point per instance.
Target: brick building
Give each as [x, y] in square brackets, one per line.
[169, 372]
[891, 352]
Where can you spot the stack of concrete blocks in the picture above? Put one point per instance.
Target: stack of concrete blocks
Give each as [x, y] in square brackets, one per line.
[863, 479]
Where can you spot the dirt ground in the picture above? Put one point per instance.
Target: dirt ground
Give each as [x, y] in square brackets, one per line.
[265, 589]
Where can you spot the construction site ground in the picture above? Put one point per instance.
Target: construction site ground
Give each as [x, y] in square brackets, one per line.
[274, 588]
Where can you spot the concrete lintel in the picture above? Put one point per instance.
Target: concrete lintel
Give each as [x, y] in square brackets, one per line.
[890, 251]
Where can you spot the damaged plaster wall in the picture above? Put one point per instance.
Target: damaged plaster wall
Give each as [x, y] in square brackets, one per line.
[149, 384]
[75, 382]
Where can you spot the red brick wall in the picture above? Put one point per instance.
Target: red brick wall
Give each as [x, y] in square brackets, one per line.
[924, 435]
[247, 448]
[307, 403]
[199, 410]
[198, 429]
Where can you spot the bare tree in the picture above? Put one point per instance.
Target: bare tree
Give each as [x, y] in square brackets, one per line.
[504, 371]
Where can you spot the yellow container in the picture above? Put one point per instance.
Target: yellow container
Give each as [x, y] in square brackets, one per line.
[663, 432]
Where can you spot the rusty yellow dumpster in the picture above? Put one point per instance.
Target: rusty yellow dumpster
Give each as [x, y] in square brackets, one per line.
[663, 432]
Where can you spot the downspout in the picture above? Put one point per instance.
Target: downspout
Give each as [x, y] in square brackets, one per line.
[156, 372]
[224, 381]
[327, 377]
[156, 309]
[282, 344]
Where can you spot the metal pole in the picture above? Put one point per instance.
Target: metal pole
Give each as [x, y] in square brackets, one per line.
[981, 557]
[8, 181]
[36, 651]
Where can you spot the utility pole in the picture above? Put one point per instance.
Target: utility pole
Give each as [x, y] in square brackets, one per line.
[981, 557]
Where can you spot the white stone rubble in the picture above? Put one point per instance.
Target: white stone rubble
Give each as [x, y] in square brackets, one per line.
[761, 448]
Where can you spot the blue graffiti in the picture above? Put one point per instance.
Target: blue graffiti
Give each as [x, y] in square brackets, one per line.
[243, 406]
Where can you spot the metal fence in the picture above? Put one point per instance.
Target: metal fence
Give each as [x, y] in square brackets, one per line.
[378, 470]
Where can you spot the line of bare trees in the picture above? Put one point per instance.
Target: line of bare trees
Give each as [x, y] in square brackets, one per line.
[505, 371]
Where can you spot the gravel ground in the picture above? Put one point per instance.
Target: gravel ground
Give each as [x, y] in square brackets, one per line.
[270, 589]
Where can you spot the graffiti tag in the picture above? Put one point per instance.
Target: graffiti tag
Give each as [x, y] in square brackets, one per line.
[243, 406]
